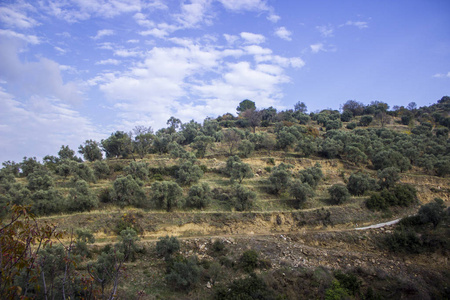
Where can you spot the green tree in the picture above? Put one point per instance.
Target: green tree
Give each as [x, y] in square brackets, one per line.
[365, 120]
[279, 179]
[338, 194]
[301, 107]
[240, 171]
[231, 138]
[246, 148]
[91, 150]
[388, 177]
[199, 196]
[359, 183]
[166, 195]
[128, 191]
[118, 144]
[300, 191]
[245, 105]
[243, 198]
[66, 153]
[432, 212]
[101, 169]
[138, 170]
[143, 140]
[167, 246]
[81, 198]
[189, 173]
[201, 143]
[312, 176]
[185, 274]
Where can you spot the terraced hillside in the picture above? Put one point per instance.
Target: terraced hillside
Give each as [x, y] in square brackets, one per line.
[259, 206]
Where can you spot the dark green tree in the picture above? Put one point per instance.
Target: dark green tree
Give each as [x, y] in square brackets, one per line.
[166, 195]
[245, 105]
[300, 191]
[118, 144]
[432, 212]
[81, 198]
[199, 196]
[338, 194]
[91, 150]
[128, 191]
[167, 246]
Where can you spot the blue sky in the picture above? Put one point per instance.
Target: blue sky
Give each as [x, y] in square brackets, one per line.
[72, 70]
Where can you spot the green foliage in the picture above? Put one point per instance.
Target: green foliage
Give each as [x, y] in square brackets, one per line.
[332, 148]
[189, 173]
[40, 179]
[351, 125]
[84, 172]
[127, 244]
[390, 158]
[81, 198]
[143, 140]
[83, 237]
[251, 287]
[336, 292]
[333, 124]
[166, 195]
[118, 144]
[442, 167]
[29, 165]
[138, 170]
[338, 194]
[307, 146]
[199, 196]
[242, 197]
[300, 191]
[245, 105]
[400, 195]
[240, 171]
[311, 176]
[249, 261]
[246, 148]
[432, 212]
[185, 274]
[167, 246]
[101, 169]
[376, 202]
[66, 153]
[47, 202]
[346, 116]
[365, 120]
[201, 143]
[349, 281]
[128, 191]
[388, 177]
[359, 183]
[90, 151]
[279, 179]
[403, 240]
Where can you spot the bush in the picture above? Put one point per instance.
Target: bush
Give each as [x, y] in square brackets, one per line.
[349, 281]
[432, 212]
[243, 197]
[338, 194]
[81, 198]
[167, 246]
[189, 173]
[358, 184]
[199, 196]
[311, 176]
[365, 120]
[404, 240]
[251, 287]
[376, 202]
[138, 170]
[127, 191]
[300, 191]
[249, 261]
[166, 195]
[127, 244]
[185, 274]
[101, 169]
[351, 126]
[336, 292]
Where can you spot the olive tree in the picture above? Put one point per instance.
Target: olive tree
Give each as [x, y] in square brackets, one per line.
[166, 195]
[128, 191]
[90, 151]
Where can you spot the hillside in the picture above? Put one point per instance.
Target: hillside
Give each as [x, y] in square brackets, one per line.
[259, 206]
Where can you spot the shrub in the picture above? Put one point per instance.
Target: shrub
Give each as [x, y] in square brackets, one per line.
[351, 125]
[311, 176]
[336, 292]
[349, 281]
[365, 120]
[246, 148]
[249, 260]
[251, 287]
[138, 170]
[101, 169]
[185, 274]
[432, 212]
[300, 191]
[279, 179]
[358, 184]
[243, 197]
[166, 195]
[199, 196]
[167, 246]
[388, 177]
[128, 191]
[376, 202]
[127, 244]
[189, 173]
[81, 198]
[339, 194]
[404, 240]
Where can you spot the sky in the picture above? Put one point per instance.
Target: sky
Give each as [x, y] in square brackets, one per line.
[72, 70]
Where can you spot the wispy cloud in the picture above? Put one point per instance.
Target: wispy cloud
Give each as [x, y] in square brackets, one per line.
[325, 30]
[32, 39]
[102, 33]
[283, 33]
[442, 75]
[109, 61]
[359, 24]
[253, 38]
[18, 19]
[315, 48]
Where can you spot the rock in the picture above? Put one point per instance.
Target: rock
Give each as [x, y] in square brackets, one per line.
[279, 221]
[208, 285]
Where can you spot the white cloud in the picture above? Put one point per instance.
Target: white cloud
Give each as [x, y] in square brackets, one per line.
[142, 20]
[127, 53]
[257, 50]
[194, 13]
[253, 38]
[109, 61]
[159, 33]
[317, 48]
[102, 33]
[31, 39]
[242, 5]
[28, 77]
[78, 10]
[231, 39]
[13, 18]
[273, 18]
[283, 33]
[133, 41]
[44, 126]
[325, 31]
[442, 75]
[359, 24]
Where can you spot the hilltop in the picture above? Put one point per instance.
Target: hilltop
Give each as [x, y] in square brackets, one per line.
[265, 202]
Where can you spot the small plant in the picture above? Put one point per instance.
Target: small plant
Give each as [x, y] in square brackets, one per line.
[249, 260]
[167, 246]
